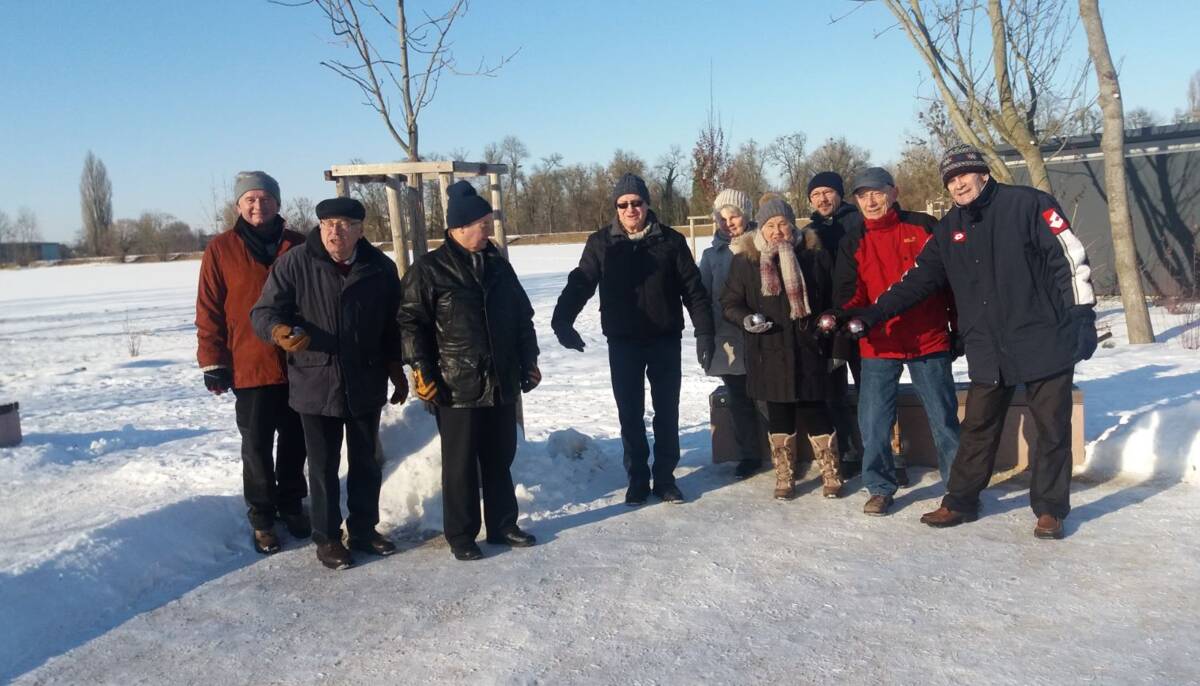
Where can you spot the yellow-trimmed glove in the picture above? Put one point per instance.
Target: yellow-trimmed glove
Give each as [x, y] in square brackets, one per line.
[426, 386]
[293, 340]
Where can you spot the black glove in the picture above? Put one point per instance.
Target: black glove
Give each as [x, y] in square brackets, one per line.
[568, 337]
[531, 379]
[220, 379]
[705, 345]
[958, 347]
[1085, 344]
[860, 321]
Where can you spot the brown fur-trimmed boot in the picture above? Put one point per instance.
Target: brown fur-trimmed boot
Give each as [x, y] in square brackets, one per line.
[783, 455]
[826, 458]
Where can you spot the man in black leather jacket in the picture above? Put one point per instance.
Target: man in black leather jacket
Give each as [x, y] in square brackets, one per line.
[468, 334]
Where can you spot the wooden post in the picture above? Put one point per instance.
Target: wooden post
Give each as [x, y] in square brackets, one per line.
[498, 213]
[444, 181]
[692, 233]
[395, 185]
[417, 234]
[343, 186]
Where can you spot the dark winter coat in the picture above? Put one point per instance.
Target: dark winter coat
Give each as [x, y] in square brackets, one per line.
[476, 337]
[642, 284]
[352, 322]
[832, 229]
[790, 361]
[231, 279]
[875, 256]
[1020, 279]
[714, 271]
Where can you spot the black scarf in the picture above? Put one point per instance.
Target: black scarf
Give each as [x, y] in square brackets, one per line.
[263, 243]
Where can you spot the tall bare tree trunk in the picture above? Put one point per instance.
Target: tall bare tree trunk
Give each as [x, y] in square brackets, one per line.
[1112, 143]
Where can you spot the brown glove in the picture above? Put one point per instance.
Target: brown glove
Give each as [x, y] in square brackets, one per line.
[400, 381]
[293, 340]
[426, 387]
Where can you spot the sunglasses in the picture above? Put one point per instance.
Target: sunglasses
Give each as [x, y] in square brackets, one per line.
[635, 204]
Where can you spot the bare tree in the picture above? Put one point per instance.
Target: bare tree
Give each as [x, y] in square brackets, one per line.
[668, 172]
[95, 202]
[787, 154]
[1140, 118]
[838, 155]
[1112, 143]
[1008, 93]
[919, 178]
[748, 169]
[300, 214]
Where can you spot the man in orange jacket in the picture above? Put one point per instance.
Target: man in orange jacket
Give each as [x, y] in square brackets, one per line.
[232, 273]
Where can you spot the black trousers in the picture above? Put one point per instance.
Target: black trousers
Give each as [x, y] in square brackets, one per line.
[842, 412]
[363, 478]
[630, 363]
[270, 485]
[478, 446]
[1049, 402]
[745, 418]
[810, 418]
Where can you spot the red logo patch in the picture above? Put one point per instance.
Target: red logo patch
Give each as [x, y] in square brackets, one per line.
[959, 236]
[1055, 221]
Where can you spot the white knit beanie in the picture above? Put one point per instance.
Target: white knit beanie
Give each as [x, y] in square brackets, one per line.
[738, 199]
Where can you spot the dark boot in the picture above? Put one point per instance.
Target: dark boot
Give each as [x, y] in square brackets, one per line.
[877, 505]
[467, 552]
[374, 543]
[747, 468]
[669, 494]
[637, 493]
[945, 517]
[514, 537]
[265, 541]
[1048, 527]
[334, 555]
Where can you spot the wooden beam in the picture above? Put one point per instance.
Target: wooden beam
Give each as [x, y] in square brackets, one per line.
[410, 168]
[396, 220]
[498, 213]
[444, 181]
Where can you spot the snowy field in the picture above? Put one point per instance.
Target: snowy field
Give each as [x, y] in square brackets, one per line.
[126, 557]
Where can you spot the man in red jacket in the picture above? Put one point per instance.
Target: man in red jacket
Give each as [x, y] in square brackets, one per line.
[232, 273]
[871, 260]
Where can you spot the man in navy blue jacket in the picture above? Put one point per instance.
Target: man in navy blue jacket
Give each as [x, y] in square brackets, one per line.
[1026, 313]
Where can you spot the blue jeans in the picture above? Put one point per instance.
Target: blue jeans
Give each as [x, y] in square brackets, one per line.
[934, 385]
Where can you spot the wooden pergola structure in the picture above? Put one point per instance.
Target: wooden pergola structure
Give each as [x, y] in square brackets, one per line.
[404, 182]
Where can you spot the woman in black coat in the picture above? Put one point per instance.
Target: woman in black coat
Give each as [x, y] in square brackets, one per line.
[780, 280]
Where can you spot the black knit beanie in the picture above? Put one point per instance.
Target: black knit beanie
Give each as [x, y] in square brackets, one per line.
[827, 179]
[630, 183]
[464, 206]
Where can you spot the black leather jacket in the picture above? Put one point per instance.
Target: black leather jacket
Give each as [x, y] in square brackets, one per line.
[475, 337]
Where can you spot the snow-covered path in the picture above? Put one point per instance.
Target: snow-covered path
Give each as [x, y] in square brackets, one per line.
[126, 556]
[731, 588]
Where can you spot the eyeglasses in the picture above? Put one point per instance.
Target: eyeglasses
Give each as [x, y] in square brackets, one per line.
[340, 226]
[635, 204]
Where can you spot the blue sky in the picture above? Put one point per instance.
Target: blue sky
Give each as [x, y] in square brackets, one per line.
[176, 97]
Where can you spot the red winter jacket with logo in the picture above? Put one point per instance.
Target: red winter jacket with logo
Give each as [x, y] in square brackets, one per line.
[872, 259]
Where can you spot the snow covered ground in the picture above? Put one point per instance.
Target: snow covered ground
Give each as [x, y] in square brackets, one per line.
[126, 559]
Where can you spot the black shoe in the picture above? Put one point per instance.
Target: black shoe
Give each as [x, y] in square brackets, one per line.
[374, 543]
[901, 476]
[747, 468]
[467, 552]
[514, 537]
[334, 555]
[669, 494]
[850, 469]
[265, 541]
[297, 524]
[637, 493]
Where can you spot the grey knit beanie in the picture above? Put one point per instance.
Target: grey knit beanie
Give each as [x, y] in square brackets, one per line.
[739, 199]
[255, 181]
[774, 206]
[962, 159]
[630, 183]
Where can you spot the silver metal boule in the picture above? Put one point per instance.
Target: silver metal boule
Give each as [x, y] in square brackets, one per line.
[827, 322]
[757, 319]
[855, 326]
